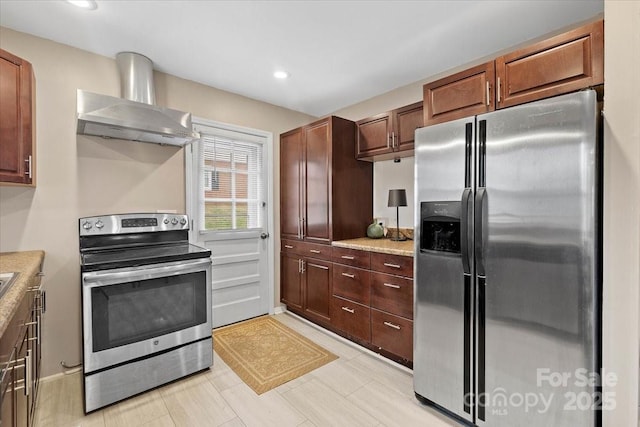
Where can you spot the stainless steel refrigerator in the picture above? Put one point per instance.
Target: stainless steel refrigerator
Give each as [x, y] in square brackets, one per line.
[508, 281]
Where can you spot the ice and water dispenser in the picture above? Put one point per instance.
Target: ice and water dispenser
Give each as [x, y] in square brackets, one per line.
[440, 226]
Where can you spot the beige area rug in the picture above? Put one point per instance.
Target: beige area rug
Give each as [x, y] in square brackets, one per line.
[265, 353]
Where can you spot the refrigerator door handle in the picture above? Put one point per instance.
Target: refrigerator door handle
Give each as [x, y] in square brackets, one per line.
[464, 231]
[479, 230]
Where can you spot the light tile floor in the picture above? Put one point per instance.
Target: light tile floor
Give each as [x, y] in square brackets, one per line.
[358, 389]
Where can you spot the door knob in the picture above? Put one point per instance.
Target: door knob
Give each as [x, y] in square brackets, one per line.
[264, 235]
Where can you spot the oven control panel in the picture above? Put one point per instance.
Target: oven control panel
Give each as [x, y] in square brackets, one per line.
[132, 223]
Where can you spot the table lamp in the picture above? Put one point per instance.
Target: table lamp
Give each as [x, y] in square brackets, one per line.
[397, 198]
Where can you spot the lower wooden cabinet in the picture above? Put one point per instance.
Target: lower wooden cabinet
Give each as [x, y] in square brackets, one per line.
[392, 333]
[305, 279]
[364, 296]
[351, 318]
[21, 352]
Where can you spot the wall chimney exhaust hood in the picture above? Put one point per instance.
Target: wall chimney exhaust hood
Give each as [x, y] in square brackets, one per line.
[133, 117]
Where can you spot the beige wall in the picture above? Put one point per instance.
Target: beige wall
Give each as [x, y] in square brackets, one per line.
[81, 176]
[622, 207]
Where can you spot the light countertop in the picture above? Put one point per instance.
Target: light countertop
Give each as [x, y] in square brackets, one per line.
[384, 246]
[28, 264]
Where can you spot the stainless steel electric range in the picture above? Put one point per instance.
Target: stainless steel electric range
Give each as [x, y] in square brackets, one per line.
[146, 304]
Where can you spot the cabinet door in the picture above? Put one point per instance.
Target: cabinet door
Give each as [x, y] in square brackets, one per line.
[291, 281]
[561, 64]
[21, 386]
[374, 136]
[405, 122]
[16, 120]
[291, 168]
[317, 173]
[317, 295]
[464, 94]
[6, 393]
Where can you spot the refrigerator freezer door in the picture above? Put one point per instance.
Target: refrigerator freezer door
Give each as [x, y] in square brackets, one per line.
[540, 260]
[442, 359]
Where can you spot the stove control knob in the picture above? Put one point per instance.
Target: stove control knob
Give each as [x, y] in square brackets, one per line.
[174, 221]
[183, 221]
[86, 225]
[166, 221]
[99, 225]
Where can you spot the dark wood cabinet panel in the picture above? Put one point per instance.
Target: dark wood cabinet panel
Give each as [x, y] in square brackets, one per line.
[291, 169]
[316, 221]
[291, 280]
[392, 333]
[17, 121]
[321, 183]
[352, 257]
[561, 64]
[351, 283]
[392, 264]
[406, 120]
[351, 318]
[463, 94]
[374, 136]
[317, 276]
[389, 135]
[392, 294]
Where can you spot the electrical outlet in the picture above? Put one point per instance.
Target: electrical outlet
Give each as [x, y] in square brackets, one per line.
[382, 221]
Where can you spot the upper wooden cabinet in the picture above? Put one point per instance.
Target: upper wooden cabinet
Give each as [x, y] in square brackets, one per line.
[463, 94]
[561, 64]
[17, 121]
[325, 193]
[389, 135]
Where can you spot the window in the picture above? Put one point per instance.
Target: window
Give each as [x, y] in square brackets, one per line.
[232, 190]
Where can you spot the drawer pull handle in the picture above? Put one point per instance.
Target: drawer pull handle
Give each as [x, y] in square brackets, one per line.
[350, 310]
[350, 276]
[314, 251]
[347, 257]
[391, 325]
[288, 246]
[387, 264]
[391, 285]
[324, 267]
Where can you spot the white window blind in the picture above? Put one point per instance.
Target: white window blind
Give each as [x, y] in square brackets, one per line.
[231, 190]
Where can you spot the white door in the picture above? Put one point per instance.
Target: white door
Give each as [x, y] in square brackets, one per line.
[229, 203]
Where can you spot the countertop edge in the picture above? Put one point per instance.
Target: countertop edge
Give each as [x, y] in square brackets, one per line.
[375, 245]
[27, 263]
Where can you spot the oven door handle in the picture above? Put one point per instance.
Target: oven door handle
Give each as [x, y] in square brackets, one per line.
[121, 275]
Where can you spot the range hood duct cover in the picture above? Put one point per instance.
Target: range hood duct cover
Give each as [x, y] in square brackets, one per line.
[134, 117]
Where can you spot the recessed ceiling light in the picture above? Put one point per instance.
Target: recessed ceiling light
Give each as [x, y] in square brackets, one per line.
[280, 74]
[84, 4]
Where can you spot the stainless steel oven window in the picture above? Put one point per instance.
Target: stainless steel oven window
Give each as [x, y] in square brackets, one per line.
[138, 310]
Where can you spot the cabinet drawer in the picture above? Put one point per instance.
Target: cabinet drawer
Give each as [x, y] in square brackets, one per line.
[353, 257]
[392, 294]
[314, 250]
[352, 283]
[392, 264]
[351, 317]
[291, 246]
[392, 333]
[306, 249]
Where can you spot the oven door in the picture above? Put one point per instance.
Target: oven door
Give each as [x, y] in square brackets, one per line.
[134, 312]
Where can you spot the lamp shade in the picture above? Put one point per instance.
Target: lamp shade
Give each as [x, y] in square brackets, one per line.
[397, 198]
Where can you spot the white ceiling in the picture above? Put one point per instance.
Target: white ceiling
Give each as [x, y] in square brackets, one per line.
[337, 52]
